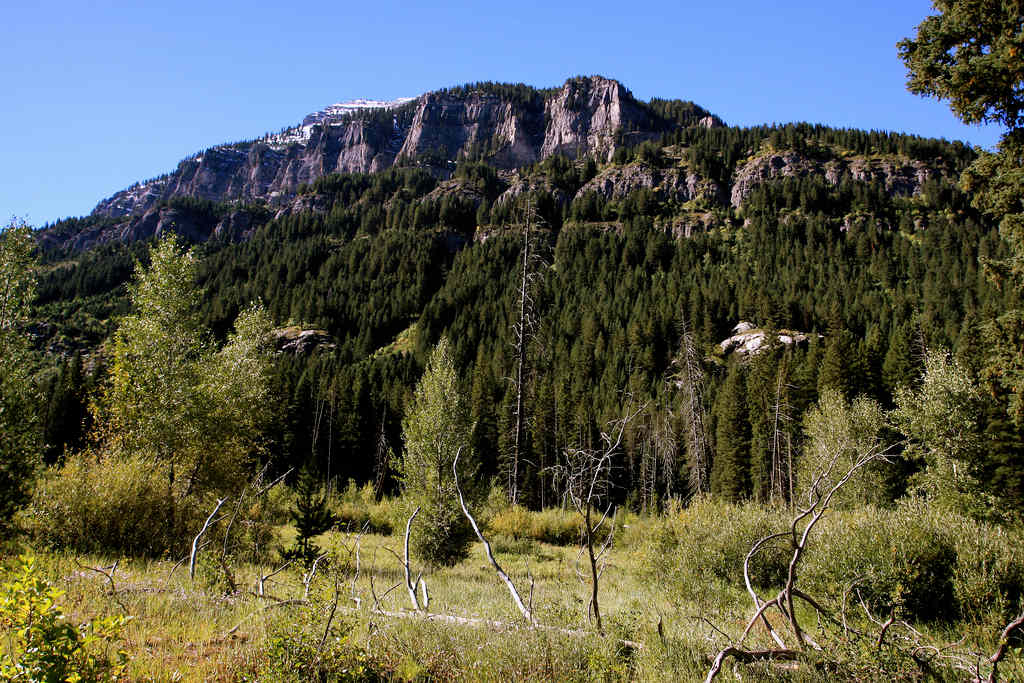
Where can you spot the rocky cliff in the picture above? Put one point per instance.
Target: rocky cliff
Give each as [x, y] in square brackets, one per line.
[899, 176]
[507, 126]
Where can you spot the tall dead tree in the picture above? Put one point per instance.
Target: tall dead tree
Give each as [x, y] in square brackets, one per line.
[781, 474]
[658, 447]
[383, 457]
[690, 379]
[524, 331]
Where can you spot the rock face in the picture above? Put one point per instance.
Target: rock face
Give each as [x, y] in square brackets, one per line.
[585, 116]
[898, 176]
[268, 170]
[672, 184]
[509, 134]
[749, 340]
[232, 226]
[299, 341]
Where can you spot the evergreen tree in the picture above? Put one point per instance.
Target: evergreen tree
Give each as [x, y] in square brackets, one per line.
[899, 367]
[730, 470]
[969, 53]
[311, 517]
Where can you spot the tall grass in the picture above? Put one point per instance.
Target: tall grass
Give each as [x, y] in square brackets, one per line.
[673, 583]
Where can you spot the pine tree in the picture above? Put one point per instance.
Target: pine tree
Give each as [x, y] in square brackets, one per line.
[311, 517]
[730, 471]
[899, 367]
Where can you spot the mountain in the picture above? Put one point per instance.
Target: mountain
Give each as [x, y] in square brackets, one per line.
[509, 126]
[337, 112]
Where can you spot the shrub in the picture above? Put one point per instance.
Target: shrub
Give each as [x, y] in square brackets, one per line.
[96, 506]
[988, 578]
[357, 508]
[553, 525]
[120, 505]
[898, 560]
[293, 652]
[41, 645]
[712, 538]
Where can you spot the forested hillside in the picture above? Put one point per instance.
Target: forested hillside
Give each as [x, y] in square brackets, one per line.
[862, 241]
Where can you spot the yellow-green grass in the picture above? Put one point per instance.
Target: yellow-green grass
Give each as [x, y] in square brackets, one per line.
[186, 630]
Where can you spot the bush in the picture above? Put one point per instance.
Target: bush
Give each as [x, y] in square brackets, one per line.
[712, 538]
[357, 508]
[440, 534]
[911, 560]
[293, 653]
[41, 646]
[120, 505]
[553, 525]
[988, 579]
[97, 506]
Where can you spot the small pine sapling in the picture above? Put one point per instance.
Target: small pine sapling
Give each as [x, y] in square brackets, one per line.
[311, 517]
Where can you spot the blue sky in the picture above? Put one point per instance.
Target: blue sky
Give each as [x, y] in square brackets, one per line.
[102, 94]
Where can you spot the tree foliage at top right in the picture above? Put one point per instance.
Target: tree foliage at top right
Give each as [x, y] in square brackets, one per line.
[972, 54]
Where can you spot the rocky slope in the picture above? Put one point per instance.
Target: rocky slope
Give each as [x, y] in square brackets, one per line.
[898, 176]
[584, 116]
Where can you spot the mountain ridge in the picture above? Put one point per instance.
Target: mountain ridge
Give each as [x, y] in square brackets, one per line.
[436, 129]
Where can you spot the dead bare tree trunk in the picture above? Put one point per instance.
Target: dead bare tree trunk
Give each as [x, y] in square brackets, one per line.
[525, 303]
[527, 611]
[409, 583]
[381, 462]
[690, 378]
[782, 466]
[1004, 643]
[524, 331]
[586, 477]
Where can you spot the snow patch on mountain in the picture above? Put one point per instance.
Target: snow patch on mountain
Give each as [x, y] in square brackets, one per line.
[341, 109]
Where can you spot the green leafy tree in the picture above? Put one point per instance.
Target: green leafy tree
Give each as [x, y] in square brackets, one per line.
[838, 433]
[172, 397]
[941, 420]
[435, 427]
[19, 434]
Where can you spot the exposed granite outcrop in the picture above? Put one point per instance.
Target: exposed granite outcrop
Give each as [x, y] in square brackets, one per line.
[299, 341]
[750, 340]
[672, 184]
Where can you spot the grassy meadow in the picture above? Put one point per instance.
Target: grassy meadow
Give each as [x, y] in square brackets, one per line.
[672, 595]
